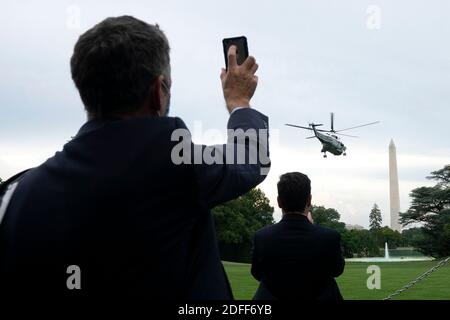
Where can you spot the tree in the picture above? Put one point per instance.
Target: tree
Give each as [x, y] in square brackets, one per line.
[430, 206]
[238, 220]
[327, 217]
[412, 236]
[442, 176]
[386, 234]
[359, 242]
[367, 246]
[436, 235]
[354, 242]
[375, 219]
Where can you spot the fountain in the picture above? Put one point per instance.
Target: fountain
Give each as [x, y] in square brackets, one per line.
[387, 258]
[386, 251]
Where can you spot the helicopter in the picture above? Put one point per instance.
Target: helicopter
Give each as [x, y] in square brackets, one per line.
[330, 141]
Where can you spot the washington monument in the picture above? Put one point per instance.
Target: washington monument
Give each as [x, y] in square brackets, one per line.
[393, 188]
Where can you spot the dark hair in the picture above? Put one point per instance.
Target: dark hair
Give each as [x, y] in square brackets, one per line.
[115, 63]
[294, 188]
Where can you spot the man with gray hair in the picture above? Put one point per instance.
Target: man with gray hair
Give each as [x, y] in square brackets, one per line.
[112, 214]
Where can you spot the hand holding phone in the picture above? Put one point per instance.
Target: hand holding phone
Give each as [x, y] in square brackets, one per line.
[238, 81]
[241, 49]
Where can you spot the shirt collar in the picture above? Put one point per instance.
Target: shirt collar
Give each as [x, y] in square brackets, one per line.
[294, 216]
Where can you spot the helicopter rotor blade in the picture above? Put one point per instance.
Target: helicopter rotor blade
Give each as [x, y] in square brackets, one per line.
[293, 125]
[346, 135]
[363, 125]
[310, 137]
[301, 127]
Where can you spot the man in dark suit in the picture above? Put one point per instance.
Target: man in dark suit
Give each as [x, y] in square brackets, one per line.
[295, 259]
[124, 208]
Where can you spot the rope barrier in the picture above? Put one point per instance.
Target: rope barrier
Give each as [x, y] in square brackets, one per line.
[418, 279]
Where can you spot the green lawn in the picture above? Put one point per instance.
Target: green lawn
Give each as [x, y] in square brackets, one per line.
[353, 282]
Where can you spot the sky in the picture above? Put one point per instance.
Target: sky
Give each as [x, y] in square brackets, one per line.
[386, 61]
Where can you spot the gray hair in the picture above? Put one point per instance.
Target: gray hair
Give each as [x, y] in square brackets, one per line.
[115, 63]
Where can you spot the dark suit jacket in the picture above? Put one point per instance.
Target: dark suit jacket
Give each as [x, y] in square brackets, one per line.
[113, 203]
[295, 259]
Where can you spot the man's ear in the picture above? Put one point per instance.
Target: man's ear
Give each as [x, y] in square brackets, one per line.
[280, 205]
[156, 96]
[309, 201]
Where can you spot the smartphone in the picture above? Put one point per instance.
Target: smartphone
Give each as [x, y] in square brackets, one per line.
[241, 52]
